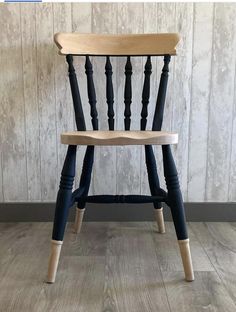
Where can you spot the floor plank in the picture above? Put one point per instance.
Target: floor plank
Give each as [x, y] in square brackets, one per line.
[206, 293]
[168, 254]
[219, 241]
[133, 278]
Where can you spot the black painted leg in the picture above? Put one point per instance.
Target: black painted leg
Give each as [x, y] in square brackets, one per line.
[85, 181]
[154, 185]
[62, 209]
[175, 202]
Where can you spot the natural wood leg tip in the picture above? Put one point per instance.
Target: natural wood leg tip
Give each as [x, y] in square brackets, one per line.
[186, 259]
[79, 219]
[160, 220]
[189, 279]
[53, 261]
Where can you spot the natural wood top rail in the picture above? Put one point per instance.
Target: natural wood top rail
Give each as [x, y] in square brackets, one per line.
[117, 45]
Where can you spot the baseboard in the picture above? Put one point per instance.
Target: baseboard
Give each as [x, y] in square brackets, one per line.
[43, 212]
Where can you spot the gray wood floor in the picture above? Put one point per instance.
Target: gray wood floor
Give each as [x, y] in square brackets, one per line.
[113, 267]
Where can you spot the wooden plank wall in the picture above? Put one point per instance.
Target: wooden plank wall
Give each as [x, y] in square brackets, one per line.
[36, 102]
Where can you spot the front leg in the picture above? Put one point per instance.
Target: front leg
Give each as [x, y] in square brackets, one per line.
[175, 202]
[63, 203]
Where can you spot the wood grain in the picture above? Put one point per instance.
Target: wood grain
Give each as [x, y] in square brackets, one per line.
[166, 16]
[232, 180]
[220, 125]
[128, 172]
[12, 111]
[36, 295]
[129, 272]
[182, 87]
[160, 18]
[169, 258]
[64, 106]
[201, 83]
[117, 267]
[41, 110]
[82, 22]
[206, 293]
[150, 25]
[105, 156]
[1, 178]
[46, 101]
[32, 131]
[137, 44]
[219, 242]
[119, 138]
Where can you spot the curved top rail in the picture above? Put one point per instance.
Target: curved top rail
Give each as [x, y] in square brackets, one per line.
[117, 45]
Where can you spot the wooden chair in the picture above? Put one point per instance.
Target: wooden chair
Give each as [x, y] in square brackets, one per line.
[129, 46]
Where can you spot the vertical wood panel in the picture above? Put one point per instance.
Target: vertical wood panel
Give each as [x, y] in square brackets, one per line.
[221, 103]
[64, 107]
[130, 20]
[166, 23]
[46, 100]
[160, 18]
[32, 134]
[201, 81]
[182, 90]
[232, 170]
[105, 156]
[232, 179]
[150, 26]
[1, 125]
[1, 182]
[12, 105]
[81, 22]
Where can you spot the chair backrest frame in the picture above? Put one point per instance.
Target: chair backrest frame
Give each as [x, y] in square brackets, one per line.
[74, 44]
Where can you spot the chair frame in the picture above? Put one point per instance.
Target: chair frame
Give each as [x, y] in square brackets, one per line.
[129, 46]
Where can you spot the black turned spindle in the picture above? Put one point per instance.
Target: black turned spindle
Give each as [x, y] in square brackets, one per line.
[153, 178]
[85, 178]
[64, 194]
[159, 111]
[79, 115]
[109, 93]
[174, 197]
[128, 93]
[91, 93]
[146, 93]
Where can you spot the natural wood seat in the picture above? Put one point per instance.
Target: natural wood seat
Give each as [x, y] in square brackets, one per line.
[119, 138]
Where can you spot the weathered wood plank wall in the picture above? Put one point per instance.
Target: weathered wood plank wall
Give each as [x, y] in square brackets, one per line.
[36, 102]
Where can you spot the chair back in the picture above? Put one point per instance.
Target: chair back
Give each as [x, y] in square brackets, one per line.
[129, 46]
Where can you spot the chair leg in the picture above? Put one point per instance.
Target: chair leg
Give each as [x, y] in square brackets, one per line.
[54, 260]
[85, 181]
[175, 202]
[79, 219]
[154, 185]
[160, 220]
[62, 209]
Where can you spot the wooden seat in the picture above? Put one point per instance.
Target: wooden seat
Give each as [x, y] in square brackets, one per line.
[119, 138]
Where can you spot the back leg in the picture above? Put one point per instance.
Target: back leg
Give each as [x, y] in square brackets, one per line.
[154, 185]
[85, 181]
[175, 202]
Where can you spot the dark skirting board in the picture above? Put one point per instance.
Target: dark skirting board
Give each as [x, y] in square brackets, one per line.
[32, 212]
